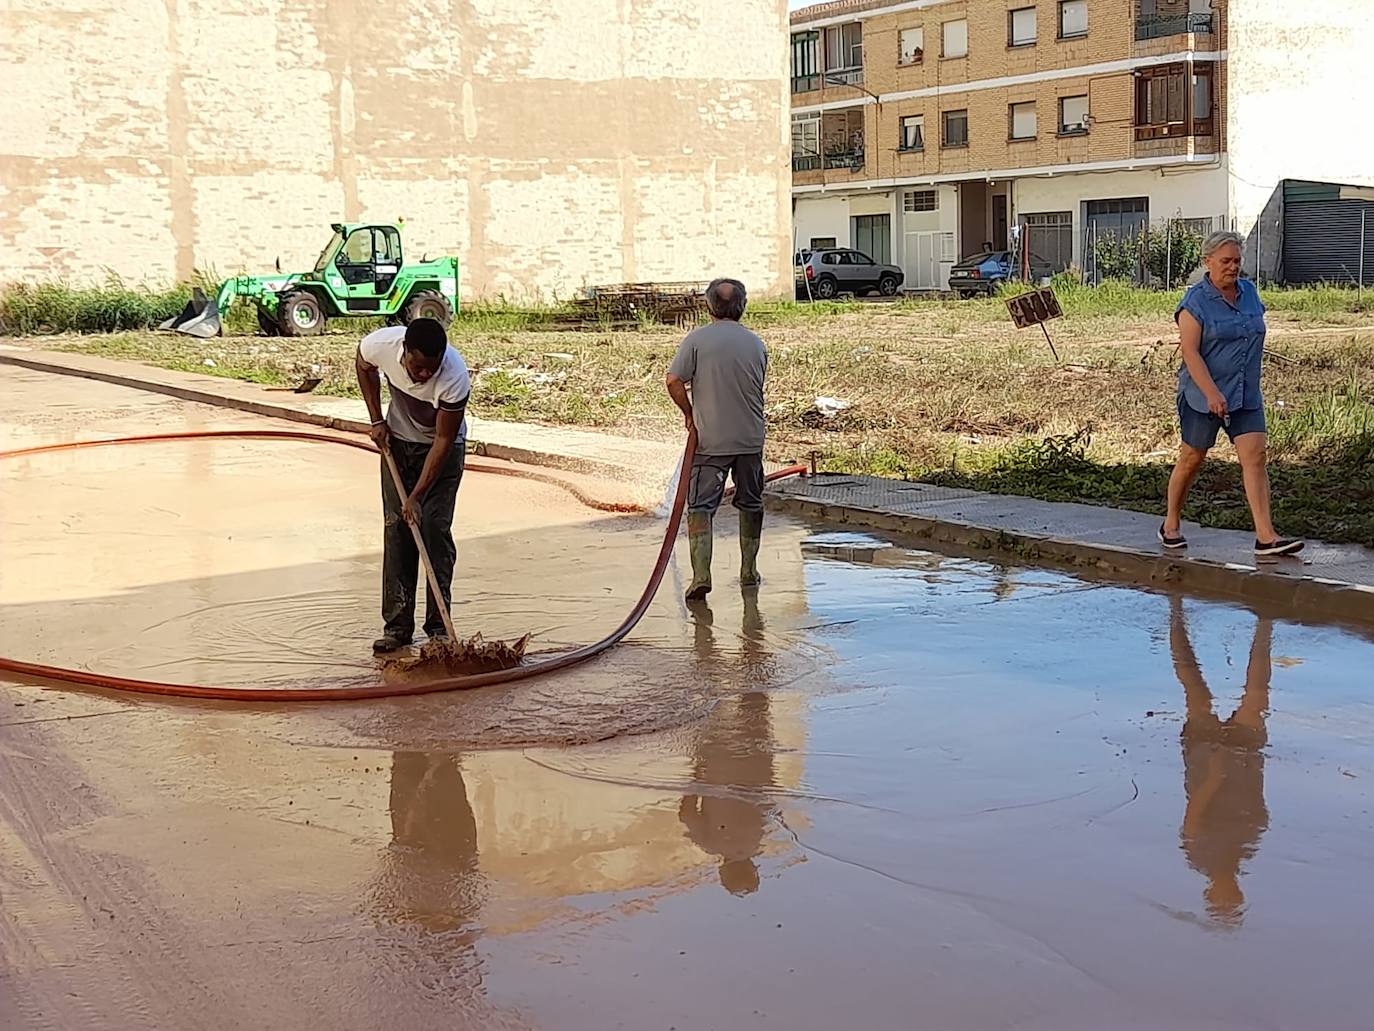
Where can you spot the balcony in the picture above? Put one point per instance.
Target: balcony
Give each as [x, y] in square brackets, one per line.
[852, 76]
[806, 162]
[845, 160]
[1158, 26]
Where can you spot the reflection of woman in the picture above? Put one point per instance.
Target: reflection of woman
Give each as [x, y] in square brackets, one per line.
[1221, 332]
[1223, 769]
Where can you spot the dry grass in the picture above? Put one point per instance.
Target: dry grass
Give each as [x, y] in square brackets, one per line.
[946, 390]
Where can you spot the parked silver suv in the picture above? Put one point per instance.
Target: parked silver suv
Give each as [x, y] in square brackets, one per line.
[840, 270]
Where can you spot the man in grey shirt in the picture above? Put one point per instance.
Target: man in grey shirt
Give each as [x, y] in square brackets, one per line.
[724, 364]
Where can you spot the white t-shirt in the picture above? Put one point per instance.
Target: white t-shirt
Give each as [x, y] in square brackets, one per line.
[415, 406]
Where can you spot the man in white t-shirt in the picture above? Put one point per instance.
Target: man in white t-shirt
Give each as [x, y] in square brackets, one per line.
[425, 430]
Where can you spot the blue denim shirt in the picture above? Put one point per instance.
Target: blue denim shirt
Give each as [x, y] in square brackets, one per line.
[1232, 344]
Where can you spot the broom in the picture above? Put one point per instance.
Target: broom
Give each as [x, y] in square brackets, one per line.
[473, 655]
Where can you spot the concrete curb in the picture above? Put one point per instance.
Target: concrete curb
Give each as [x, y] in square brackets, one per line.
[183, 392]
[1297, 596]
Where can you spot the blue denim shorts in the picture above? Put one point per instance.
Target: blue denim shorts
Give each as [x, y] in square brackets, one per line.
[1200, 428]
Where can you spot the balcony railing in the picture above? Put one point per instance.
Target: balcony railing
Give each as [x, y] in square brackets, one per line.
[806, 162]
[1176, 130]
[845, 76]
[1157, 26]
[848, 160]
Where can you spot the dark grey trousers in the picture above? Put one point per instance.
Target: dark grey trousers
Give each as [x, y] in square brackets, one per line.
[400, 559]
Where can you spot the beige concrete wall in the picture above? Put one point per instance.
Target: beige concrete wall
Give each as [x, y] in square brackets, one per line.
[550, 144]
[1294, 75]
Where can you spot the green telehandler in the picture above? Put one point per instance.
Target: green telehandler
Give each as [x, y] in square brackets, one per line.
[360, 273]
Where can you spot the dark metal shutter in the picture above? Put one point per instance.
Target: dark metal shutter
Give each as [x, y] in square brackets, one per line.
[1321, 241]
[1321, 235]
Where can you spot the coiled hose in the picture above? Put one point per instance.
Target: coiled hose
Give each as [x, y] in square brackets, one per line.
[561, 661]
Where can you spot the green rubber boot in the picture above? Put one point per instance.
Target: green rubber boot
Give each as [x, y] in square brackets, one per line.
[699, 543]
[750, 535]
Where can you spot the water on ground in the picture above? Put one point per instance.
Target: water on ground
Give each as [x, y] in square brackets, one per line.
[892, 789]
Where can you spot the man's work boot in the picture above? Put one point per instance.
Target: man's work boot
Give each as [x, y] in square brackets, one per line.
[750, 535]
[699, 544]
[390, 642]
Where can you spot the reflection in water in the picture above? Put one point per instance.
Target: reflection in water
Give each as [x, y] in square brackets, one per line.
[430, 883]
[1223, 769]
[733, 753]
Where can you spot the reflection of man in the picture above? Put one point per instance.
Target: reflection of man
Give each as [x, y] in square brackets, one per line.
[1223, 769]
[733, 753]
[431, 877]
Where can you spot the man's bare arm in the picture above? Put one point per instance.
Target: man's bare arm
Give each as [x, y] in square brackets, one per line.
[677, 390]
[370, 383]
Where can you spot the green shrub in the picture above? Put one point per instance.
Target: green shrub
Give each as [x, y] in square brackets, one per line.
[27, 309]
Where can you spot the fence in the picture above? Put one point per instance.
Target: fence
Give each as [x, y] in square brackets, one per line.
[1162, 253]
[1307, 234]
[1158, 26]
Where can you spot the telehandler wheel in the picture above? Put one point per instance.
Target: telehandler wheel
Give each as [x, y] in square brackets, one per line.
[300, 314]
[429, 304]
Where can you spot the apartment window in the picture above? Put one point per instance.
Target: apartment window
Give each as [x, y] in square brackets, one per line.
[911, 46]
[1021, 27]
[1174, 100]
[920, 200]
[806, 144]
[1202, 95]
[955, 129]
[1073, 115]
[1199, 226]
[806, 62]
[913, 133]
[1073, 18]
[844, 50]
[822, 243]
[1021, 124]
[954, 38]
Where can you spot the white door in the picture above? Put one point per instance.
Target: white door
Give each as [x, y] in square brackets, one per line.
[922, 267]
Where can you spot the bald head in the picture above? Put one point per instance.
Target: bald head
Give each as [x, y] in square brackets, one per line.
[725, 299]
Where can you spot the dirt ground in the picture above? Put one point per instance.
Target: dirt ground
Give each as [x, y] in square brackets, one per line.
[943, 392]
[889, 783]
[926, 384]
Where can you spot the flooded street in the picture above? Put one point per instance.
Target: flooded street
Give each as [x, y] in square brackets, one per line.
[892, 789]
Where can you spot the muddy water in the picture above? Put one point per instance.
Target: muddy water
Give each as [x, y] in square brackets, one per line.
[894, 790]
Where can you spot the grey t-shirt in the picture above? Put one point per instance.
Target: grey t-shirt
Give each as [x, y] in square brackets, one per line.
[725, 365]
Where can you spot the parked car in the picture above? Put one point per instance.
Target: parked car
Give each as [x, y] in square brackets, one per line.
[839, 270]
[980, 273]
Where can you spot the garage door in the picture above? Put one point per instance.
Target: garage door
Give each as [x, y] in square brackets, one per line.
[873, 236]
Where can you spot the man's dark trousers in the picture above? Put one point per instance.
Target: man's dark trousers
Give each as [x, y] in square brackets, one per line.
[400, 559]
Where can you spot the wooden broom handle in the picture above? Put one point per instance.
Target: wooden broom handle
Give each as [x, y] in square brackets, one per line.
[420, 545]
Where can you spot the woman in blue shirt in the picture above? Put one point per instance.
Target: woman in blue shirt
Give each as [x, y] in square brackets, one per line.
[1221, 329]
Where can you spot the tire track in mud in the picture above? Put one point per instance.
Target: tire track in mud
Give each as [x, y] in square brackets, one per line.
[129, 967]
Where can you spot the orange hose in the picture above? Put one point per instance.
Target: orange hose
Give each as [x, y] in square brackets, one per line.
[342, 694]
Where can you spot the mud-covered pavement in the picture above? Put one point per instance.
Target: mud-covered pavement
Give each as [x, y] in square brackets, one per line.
[893, 790]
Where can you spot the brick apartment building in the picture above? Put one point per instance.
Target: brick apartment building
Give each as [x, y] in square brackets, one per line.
[923, 129]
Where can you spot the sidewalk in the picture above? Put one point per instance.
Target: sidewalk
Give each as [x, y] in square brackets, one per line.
[1331, 581]
[1326, 580]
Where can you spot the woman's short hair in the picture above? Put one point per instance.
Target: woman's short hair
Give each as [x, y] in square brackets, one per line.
[1219, 240]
